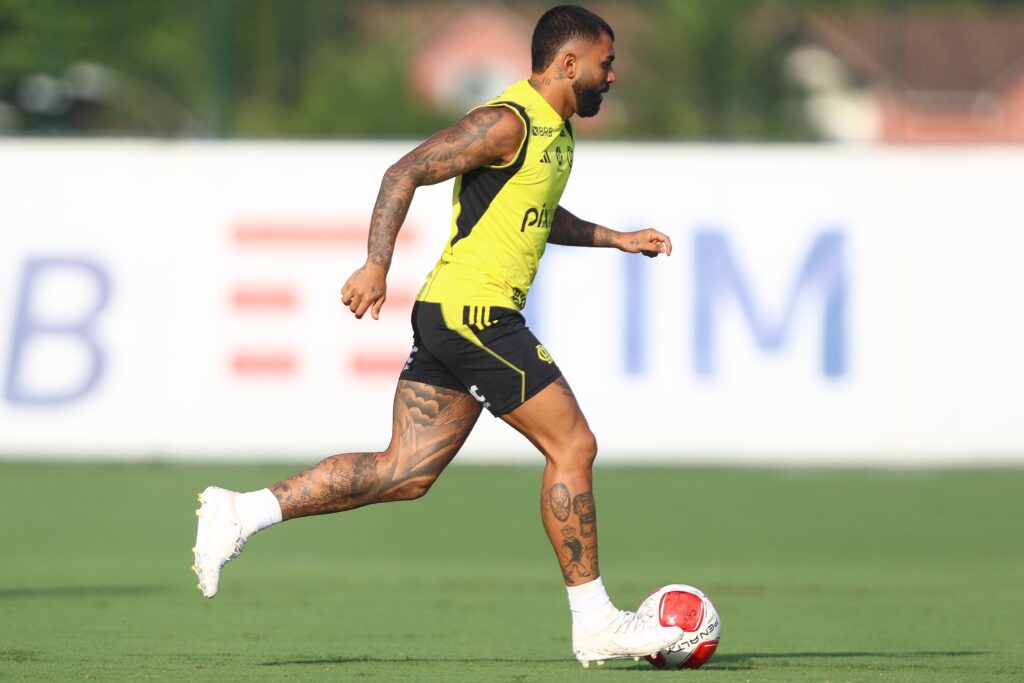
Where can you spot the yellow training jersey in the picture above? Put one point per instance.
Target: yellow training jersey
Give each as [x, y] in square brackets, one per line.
[501, 215]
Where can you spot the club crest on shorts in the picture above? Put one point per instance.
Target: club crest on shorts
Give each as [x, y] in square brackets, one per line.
[543, 354]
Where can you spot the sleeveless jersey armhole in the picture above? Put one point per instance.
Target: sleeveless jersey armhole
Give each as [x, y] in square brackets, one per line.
[526, 130]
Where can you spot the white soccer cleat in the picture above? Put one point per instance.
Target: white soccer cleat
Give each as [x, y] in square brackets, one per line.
[218, 537]
[627, 635]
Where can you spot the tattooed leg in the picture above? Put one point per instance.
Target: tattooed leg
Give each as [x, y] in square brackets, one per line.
[429, 425]
[572, 531]
[553, 422]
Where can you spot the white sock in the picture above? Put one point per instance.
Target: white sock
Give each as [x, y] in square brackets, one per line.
[590, 605]
[257, 510]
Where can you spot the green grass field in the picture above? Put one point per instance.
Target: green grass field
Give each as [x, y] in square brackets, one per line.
[818, 575]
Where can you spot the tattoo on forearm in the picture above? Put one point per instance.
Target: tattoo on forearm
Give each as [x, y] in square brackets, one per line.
[444, 155]
[430, 425]
[571, 231]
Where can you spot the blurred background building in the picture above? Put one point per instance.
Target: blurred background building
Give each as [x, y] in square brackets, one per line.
[773, 70]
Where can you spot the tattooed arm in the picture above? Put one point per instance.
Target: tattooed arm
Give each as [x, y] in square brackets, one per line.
[485, 136]
[569, 230]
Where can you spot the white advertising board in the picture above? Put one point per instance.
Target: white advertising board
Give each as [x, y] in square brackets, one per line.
[854, 306]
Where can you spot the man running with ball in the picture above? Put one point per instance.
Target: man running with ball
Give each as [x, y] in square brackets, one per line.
[511, 158]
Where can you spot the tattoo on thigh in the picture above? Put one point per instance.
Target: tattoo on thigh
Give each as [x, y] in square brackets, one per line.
[423, 402]
[431, 424]
[558, 499]
[429, 405]
[583, 505]
[564, 385]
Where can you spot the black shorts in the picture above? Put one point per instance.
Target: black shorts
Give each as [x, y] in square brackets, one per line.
[484, 350]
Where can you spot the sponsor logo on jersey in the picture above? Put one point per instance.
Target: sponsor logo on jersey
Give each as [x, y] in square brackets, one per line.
[518, 297]
[537, 218]
[542, 131]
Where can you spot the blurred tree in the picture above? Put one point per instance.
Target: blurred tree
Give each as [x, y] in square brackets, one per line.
[153, 51]
[314, 70]
[691, 69]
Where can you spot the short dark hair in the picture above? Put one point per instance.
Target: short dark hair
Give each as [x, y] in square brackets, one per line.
[558, 26]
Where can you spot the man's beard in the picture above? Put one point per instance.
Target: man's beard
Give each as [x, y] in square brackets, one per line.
[588, 97]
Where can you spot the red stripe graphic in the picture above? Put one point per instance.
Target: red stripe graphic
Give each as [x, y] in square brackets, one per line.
[378, 362]
[400, 299]
[310, 234]
[248, 297]
[264, 363]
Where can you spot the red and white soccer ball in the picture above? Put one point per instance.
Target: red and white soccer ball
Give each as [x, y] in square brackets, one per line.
[688, 608]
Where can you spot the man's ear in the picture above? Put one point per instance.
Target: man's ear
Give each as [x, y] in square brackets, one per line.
[569, 64]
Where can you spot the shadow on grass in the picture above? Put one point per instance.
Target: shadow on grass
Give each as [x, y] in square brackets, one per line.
[409, 660]
[747, 661]
[78, 592]
[726, 662]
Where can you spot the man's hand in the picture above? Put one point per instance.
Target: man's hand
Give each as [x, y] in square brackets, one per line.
[366, 289]
[648, 242]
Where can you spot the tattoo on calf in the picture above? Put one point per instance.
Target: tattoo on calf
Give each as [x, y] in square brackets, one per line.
[283, 493]
[558, 499]
[577, 553]
[583, 505]
[576, 558]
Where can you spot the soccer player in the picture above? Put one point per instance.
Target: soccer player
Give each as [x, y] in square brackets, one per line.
[511, 159]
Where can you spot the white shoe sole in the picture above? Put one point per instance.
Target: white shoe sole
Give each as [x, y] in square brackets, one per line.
[585, 660]
[613, 650]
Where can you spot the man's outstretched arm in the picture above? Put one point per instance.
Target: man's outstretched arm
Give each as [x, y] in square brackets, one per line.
[571, 231]
[485, 136]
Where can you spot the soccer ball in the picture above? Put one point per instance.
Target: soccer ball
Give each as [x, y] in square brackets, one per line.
[688, 608]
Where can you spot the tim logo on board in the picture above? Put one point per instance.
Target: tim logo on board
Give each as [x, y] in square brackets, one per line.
[820, 285]
[54, 356]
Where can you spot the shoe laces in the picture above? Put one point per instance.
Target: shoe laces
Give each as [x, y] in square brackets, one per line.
[240, 540]
[628, 622]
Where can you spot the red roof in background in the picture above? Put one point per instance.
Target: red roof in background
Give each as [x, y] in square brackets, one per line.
[470, 44]
[950, 76]
[924, 50]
